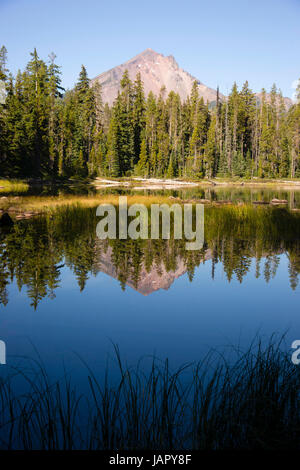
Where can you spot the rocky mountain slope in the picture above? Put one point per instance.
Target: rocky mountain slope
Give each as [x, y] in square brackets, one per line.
[157, 71]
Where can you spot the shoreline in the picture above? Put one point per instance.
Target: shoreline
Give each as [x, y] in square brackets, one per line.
[137, 184]
[26, 206]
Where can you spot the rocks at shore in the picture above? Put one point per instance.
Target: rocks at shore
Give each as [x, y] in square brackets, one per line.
[18, 213]
[190, 201]
[279, 201]
[273, 202]
[227, 202]
[6, 220]
[27, 215]
[222, 201]
[200, 201]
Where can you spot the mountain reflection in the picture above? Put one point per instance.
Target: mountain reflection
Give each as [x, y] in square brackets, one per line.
[35, 253]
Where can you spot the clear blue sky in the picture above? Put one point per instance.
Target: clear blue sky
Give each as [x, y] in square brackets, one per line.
[217, 41]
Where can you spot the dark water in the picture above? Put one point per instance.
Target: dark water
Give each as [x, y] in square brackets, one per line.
[68, 294]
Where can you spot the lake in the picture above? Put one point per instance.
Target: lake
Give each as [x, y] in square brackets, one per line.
[141, 343]
[70, 297]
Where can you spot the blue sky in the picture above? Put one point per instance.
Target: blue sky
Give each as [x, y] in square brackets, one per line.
[218, 42]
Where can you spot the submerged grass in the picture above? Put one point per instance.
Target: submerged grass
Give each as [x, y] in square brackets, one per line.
[246, 403]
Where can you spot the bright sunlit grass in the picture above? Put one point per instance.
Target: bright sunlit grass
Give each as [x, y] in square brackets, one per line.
[48, 203]
[12, 186]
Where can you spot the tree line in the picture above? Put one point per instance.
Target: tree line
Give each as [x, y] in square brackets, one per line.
[46, 131]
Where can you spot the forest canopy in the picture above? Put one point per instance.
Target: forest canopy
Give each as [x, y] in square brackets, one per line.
[46, 131]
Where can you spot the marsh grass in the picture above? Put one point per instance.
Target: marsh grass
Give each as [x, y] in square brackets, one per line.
[251, 401]
[15, 186]
[47, 204]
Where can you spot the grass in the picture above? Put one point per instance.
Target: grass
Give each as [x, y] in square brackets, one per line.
[49, 203]
[16, 186]
[246, 403]
[44, 204]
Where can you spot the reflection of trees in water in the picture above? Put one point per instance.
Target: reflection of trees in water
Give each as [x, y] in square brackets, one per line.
[236, 194]
[34, 252]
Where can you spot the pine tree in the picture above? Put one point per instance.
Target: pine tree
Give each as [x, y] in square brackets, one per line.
[151, 123]
[55, 93]
[3, 129]
[211, 149]
[170, 171]
[294, 126]
[82, 85]
[265, 141]
[36, 115]
[113, 141]
[142, 167]
[124, 127]
[139, 108]
[16, 151]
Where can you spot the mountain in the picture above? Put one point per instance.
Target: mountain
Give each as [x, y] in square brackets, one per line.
[156, 71]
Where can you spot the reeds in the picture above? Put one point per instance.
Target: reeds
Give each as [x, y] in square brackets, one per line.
[251, 401]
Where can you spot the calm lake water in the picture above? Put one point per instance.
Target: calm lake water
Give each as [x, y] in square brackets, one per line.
[70, 295]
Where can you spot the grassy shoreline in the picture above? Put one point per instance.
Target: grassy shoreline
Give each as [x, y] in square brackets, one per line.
[45, 204]
[28, 206]
[18, 203]
[14, 185]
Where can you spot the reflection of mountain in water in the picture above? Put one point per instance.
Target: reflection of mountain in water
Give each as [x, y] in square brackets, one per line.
[34, 252]
[157, 277]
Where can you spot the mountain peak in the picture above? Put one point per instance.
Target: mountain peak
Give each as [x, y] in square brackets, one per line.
[149, 51]
[156, 71]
